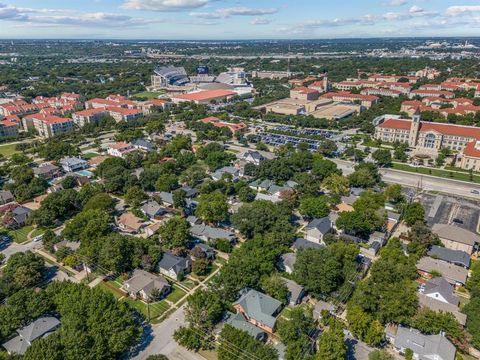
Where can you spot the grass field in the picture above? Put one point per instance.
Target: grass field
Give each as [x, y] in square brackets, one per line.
[156, 309]
[176, 294]
[106, 287]
[8, 150]
[437, 172]
[148, 94]
[88, 156]
[20, 235]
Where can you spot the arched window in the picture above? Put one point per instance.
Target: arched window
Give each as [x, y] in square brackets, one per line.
[430, 141]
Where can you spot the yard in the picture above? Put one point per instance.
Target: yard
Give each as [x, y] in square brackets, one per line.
[88, 156]
[107, 286]
[21, 235]
[176, 294]
[148, 94]
[156, 309]
[437, 172]
[8, 150]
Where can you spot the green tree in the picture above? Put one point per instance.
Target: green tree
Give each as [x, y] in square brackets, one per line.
[380, 355]
[239, 344]
[414, 212]
[135, 196]
[314, 207]
[275, 287]
[337, 185]
[332, 344]
[166, 182]
[382, 157]
[175, 233]
[212, 207]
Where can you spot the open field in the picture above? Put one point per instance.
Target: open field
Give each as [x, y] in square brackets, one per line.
[148, 94]
[8, 150]
[437, 172]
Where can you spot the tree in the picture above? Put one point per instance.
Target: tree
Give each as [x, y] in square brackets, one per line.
[364, 326]
[166, 182]
[87, 225]
[323, 168]
[69, 182]
[394, 193]
[365, 176]
[201, 267]
[275, 287]
[414, 212]
[421, 237]
[175, 233]
[162, 357]
[337, 185]
[382, 157]
[23, 270]
[135, 196]
[314, 207]
[179, 199]
[239, 344]
[332, 344]
[212, 207]
[246, 194]
[100, 201]
[408, 354]
[296, 332]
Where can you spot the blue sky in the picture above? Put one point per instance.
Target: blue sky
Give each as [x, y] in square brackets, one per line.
[237, 19]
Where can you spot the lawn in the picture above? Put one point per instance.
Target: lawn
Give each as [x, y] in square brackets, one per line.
[106, 287]
[285, 313]
[156, 309]
[190, 284]
[20, 235]
[176, 294]
[8, 150]
[37, 231]
[89, 155]
[437, 172]
[148, 94]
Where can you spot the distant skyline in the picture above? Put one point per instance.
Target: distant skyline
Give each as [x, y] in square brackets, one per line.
[230, 20]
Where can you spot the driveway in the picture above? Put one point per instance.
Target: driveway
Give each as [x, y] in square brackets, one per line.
[14, 248]
[159, 340]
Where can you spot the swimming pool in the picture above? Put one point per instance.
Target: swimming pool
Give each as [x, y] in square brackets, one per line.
[85, 173]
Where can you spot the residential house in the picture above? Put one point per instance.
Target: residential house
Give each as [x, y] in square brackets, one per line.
[72, 245]
[20, 215]
[143, 284]
[46, 171]
[206, 251]
[120, 149]
[153, 210]
[372, 249]
[456, 257]
[302, 244]
[454, 274]
[231, 170]
[424, 347]
[258, 309]
[267, 197]
[378, 236]
[152, 229]
[72, 164]
[253, 157]
[5, 197]
[38, 328]
[129, 223]
[321, 306]
[239, 322]
[173, 266]
[439, 306]
[142, 144]
[208, 233]
[296, 292]
[167, 198]
[317, 229]
[456, 238]
[287, 262]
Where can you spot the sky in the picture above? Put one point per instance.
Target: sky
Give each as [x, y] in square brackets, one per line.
[237, 19]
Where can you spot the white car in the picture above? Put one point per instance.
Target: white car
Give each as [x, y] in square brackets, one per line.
[38, 238]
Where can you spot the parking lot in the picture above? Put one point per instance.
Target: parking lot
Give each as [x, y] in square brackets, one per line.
[442, 209]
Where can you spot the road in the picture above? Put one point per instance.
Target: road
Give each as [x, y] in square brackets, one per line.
[161, 340]
[14, 248]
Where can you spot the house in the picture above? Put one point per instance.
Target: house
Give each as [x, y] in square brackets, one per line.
[207, 251]
[302, 244]
[218, 174]
[72, 164]
[253, 157]
[193, 220]
[441, 290]
[317, 229]
[372, 249]
[130, 223]
[142, 285]
[258, 309]
[296, 292]
[166, 197]
[152, 229]
[439, 306]
[321, 306]
[267, 197]
[424, 347]
[144, 145]
[153, 210]
[173, 266]
[120, 149]
[189, 192]
[239, 322]
[379, 236]
[454, 274]
[6, 197]
[456, 238]
[287, 262]
[207, 233]
[456, 257]
[38, 328]
[72, 245]
[20, 215]
[46, 171]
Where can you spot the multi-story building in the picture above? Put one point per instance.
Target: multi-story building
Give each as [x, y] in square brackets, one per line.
[89, 116]
[48, 126]
[426, 137]
[381, 92]
[427, 92]
[9, 126]
[120, 149]
[124, 114]
[304, 93]
[365, 100]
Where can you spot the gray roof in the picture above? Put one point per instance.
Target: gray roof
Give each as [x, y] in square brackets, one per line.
[302, 244]
[455, 233]
[142, 143]
[457, 257]
[44, 169]
[210, 232]
[240, 323]
[259, 306]
[295, 290]
[437, 305]
[324, 225]
[167, 197]
[320, 306]
[452, 273]
[6, 196]
[143, 280]
[289, 260]
[443, 287]
[170, 261]
[189, 191]
[73, 245]
[426, 346]
[267, 197]
[152, 208]
[254, 154]
[29, 333]
[20, 214]
[393, 215]
[226, 169]
[378, 236]
[72, 161]
[207, 250]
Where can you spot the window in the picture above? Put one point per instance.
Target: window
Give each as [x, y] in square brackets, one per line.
[429, 141]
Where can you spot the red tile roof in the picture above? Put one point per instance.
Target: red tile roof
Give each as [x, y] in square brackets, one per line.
[304, 90]
[396, 124]
[90, 112]
[124, 111]
[471, 150]
[348, 95]
[445, 129]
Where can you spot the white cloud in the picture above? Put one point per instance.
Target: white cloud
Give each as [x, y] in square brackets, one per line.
[260, 21]
[164, 5]
[235, 11]
[398, 2]
[459, 10]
